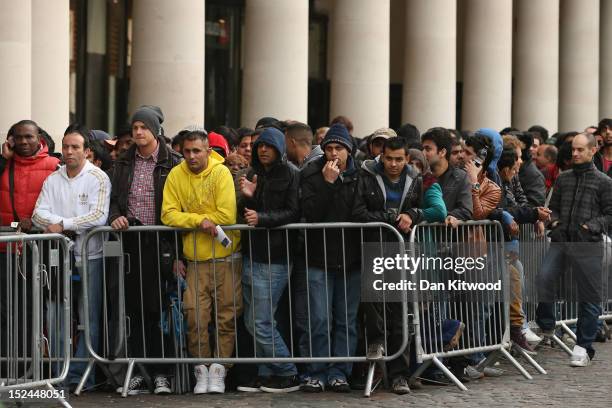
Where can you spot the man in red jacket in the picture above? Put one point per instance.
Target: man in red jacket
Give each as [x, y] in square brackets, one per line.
[27, 165]
[24, 165]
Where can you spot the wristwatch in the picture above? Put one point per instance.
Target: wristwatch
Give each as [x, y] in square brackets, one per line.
[476, 186]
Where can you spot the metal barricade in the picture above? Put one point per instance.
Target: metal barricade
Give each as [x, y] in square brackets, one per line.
[476, 307]
[533, 253]
[35, 270]
[144, 327]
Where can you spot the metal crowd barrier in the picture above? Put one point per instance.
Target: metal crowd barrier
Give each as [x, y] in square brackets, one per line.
[138, 313]
[35, 271]
[533, 251]
[484, 313]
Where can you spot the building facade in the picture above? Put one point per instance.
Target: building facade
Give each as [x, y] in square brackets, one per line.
[455, 63]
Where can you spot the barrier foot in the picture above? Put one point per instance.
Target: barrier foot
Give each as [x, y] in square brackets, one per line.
[370, 379]
[421, 369]
[516, 364]
[531, 361]
[569, 331]
[489, 360]
[128, 377]
[79, 387]
[448, 374]
[60, 400]
[561, 344]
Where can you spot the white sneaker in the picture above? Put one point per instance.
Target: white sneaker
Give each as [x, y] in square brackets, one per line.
[579, 357]
[201, 375]
[216, 379]
[531, 337]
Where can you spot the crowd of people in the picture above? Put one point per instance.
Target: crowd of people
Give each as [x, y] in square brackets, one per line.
[281, 172]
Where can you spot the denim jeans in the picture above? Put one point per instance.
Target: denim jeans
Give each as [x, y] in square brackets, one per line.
[338, 337]
[586, 270]
[262, 287]
[94, 292]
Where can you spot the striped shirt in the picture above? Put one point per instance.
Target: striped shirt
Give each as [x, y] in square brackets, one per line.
[141, 199]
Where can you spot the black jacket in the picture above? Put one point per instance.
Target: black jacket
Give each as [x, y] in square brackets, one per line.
[326, 202]
[276, 202]
[532, 181]
[457, 193]
[123, 173]
[370, 201]
[582, 195]
[515, 202]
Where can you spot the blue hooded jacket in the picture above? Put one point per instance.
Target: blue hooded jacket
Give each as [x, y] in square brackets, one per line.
[273, 137]
[498, 146]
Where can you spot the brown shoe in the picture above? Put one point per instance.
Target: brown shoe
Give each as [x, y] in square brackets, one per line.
[519, 340]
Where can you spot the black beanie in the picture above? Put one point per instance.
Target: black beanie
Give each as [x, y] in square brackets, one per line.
[338, 133]
[151, 116]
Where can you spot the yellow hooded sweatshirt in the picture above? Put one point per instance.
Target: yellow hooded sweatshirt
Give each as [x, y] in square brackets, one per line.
[191, 198]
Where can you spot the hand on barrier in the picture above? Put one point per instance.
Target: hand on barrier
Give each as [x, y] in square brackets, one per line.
[120, 223]
[331, 171]
[55, 228]
[251, 217]
[179, 268]
[25, 224]
[404, 223]
[452, 221]
[248, 187]
[539, 229]
[210, 227]
[544, 213]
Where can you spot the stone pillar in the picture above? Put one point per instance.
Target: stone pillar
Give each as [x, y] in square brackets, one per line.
[50, 66]
[275, 69]
[605, 61]
[487, 66]
[15, 63]
[536, 65]
[429, 91]
[168, 60]
[579, 65]
[360, 63]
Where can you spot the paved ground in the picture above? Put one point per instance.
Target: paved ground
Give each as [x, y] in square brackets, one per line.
[563, 386]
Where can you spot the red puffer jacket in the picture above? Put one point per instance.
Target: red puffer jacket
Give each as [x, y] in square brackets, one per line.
[30, 174]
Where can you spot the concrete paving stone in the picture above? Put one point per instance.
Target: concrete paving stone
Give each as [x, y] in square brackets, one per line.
[563, 386]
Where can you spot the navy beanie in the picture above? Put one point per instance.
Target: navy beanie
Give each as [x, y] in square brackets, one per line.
[151, 116]
[338, 133]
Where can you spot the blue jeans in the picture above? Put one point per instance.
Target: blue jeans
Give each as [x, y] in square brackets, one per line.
[262, 287]
[327, 298]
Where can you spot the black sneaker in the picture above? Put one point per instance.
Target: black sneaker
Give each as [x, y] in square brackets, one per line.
[339, 385]
[400, 386]
[136, 386]
[281, 384]
[312, 385]
[252, 386]
[162, 385]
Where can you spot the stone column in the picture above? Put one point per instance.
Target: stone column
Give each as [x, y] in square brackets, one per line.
[168, 60]
[51, 66]
[429, 90]
[605, 61]
[275, 68]
[536, 65]
[487, 66]
[360, 63]
[15, 63]
[579, 65]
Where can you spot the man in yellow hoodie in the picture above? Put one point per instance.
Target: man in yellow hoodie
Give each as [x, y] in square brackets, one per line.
[199, 194]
